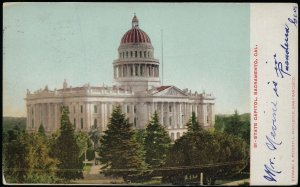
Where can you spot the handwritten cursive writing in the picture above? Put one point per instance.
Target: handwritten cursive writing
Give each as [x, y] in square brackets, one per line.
[275, 89]
[271, 171]
[278, 67]
[294, 19]
[271, 140]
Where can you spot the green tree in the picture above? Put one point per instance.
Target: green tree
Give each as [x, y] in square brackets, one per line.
[27, 160]
[42, 133]
[157, 143]
[120, 152]
[233, 124]
[95, 136]
[198, 148]
[193, 124]
[82, 140]
[67, 151]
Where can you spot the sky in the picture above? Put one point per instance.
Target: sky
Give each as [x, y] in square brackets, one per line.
[205, 46]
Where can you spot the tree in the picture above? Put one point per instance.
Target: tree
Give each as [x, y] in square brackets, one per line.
[95, 136]
[193, 125]
[82, 140]
[233, 124]
[157, 143]
[198, 148]
[27, 160]
[67, 151]
[120, 152]
[41, 132]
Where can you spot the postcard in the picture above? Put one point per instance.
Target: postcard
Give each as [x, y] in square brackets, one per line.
[150, 93]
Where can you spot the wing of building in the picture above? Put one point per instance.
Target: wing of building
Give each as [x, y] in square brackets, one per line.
[137, 89]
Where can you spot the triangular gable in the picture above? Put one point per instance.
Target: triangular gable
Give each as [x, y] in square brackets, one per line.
[168, 91]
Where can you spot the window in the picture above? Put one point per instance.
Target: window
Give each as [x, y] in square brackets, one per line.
[178, 135]
[149, 71]
[140, 54]
[123, 54]
[145, 54]
[170, 108]
[172, 136]
[32, 123]
[141, 69]
[148, 54]
[81, 123]
[131, 70]
[74, 123]
[170, 121]
[74, 109]
[207, 119]
[126, 54]
[32, 110]
[136, 70]
[95, 122]
[81, 109]
[128, 108]
[134, 109]
[135, 54]
[131, 54]
[95, 108]
[134, 122]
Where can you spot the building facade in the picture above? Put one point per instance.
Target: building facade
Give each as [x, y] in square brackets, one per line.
[137, 89]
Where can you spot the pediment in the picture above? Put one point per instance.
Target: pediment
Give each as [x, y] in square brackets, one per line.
[170, 91]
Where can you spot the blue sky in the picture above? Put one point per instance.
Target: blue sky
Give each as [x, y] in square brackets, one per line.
[206, 47]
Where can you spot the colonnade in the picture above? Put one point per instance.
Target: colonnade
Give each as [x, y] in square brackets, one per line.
[172, 115]
[136, 70]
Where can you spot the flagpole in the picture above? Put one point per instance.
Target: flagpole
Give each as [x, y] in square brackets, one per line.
[162, 58]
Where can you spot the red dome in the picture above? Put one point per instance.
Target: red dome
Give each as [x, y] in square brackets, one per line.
[135, 35]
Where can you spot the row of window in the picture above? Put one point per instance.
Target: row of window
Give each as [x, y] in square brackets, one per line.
[128, 109]
[136, 54]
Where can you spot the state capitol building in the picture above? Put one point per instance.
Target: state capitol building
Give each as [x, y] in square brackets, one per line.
[137, 89]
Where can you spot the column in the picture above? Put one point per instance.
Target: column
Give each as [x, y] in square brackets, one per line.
[49, 116]
[180, 115]
[204, 114]
[133, 68]
[162, 113]
[174, 116]
[114, 71]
